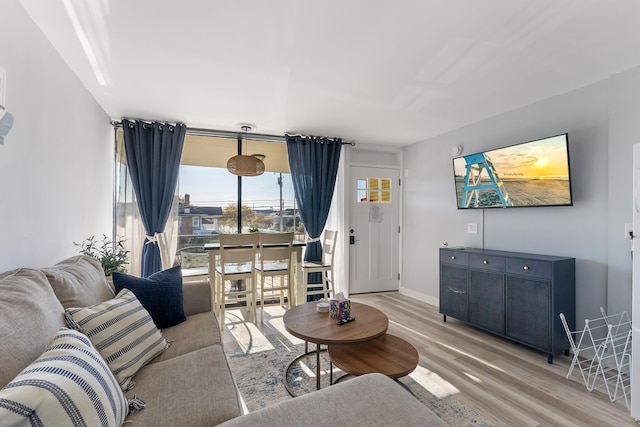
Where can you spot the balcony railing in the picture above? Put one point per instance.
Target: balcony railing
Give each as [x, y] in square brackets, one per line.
[191, 253]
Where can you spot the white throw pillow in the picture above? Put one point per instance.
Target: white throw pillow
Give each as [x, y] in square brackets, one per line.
[122, 331]
[69, 384]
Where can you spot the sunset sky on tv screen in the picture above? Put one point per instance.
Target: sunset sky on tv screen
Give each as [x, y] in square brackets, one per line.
[543, 159]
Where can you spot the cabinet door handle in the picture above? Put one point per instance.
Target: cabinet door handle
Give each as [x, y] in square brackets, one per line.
[526, 267]
[456, 291]
[485, 262]
[453, 257]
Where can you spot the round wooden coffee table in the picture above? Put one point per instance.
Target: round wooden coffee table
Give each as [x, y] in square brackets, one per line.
[387, 354]
[304, 322]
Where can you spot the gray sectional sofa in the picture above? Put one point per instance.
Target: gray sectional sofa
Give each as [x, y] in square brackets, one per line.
[190, 383]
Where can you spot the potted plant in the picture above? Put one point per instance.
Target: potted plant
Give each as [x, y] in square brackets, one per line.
[254, 229]
[112, 255]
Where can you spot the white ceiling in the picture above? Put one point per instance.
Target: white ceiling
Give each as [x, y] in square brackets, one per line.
[373, 71]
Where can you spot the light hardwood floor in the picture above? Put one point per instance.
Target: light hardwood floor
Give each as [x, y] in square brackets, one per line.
[510, 384]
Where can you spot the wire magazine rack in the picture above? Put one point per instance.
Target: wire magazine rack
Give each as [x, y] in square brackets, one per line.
[602, 354]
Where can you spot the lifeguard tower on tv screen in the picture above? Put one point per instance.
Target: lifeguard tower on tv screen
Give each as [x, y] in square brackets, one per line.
[481, 178]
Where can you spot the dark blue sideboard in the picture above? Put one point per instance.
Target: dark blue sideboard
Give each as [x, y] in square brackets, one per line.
[515, 295]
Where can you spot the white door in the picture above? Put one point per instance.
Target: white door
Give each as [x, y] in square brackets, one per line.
[374, 229]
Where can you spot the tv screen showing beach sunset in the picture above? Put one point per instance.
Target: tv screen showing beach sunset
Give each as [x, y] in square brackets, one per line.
[534, 173]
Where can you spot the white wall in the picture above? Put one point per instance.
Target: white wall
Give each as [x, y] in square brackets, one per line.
[378, 156]
[624, 131]
[56, 163]
[590, 231]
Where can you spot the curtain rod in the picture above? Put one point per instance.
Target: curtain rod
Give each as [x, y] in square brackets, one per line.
[232, 134]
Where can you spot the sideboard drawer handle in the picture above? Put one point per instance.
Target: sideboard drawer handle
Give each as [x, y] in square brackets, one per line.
[453, 257]
[526, 267]
[485, 262]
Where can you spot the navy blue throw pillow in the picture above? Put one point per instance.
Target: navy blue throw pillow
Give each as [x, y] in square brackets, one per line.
[160, 294]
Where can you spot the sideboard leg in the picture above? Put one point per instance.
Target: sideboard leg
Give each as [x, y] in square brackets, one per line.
[550, 359]
[444, 318]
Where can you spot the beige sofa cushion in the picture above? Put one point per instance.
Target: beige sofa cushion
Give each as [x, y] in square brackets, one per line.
[79, 281]
[195, 389]
[31, 315]
[197, 297]
[199, 331]
[369, 400]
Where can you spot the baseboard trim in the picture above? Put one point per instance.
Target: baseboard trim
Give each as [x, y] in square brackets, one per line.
[419, 296]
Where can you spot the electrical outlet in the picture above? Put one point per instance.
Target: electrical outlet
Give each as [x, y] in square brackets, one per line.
[472, 228]
[628, 230]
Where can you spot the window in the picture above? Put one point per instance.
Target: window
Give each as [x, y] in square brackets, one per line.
[206, 186]
[268, 202]
[207, 194]
[374, 190]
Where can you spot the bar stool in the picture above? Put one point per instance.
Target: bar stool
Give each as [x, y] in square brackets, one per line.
[324, 266]
[275, 261]
[237, 262]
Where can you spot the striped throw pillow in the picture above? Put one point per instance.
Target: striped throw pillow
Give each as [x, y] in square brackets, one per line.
[122, 331]
[69, 384]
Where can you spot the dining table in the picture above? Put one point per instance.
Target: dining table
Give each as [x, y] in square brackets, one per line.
[297, 249]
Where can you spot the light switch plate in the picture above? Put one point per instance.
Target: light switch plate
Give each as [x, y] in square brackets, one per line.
[472, 228]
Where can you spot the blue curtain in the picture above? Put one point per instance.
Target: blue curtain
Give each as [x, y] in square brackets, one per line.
[153, 152]
[314, 166]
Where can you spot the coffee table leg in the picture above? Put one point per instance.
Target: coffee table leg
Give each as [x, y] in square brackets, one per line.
[297, 359]
[330, 372]
[317, 366]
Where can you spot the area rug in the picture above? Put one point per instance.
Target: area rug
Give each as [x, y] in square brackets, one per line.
[260, 376]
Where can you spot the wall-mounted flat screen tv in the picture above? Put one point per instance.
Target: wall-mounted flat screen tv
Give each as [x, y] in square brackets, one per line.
[534, 173]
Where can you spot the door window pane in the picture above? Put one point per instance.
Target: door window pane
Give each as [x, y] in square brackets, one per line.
[373, 190]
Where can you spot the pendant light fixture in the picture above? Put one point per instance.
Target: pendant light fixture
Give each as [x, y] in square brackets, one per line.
[245, 165]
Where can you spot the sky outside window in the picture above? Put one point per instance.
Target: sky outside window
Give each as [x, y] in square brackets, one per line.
[209, 186]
